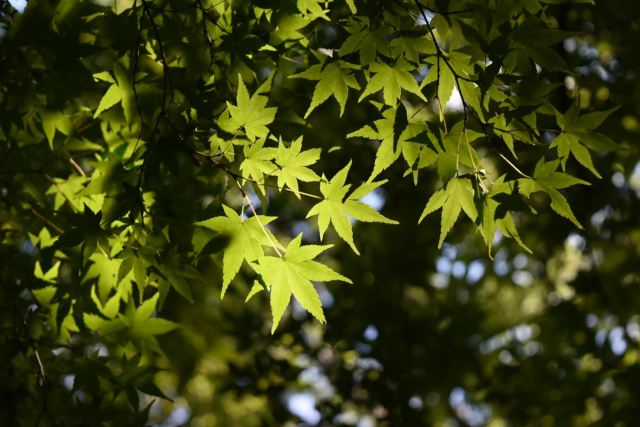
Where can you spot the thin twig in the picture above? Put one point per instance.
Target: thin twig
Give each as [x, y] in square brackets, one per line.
[78, 168]
[512, 165]
[457, 77]
[35, 212]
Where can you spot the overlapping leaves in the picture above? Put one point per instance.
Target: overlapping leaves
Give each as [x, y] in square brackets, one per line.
[242, 239]
[117, 149]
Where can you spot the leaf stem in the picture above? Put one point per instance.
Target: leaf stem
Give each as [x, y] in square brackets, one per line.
[511, 164]
[264, 230]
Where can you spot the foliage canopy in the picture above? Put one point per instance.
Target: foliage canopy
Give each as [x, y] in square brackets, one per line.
[150, 148]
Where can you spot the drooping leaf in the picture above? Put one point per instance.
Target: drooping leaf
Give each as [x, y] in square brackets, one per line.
[457, 195]
[546, 179]
[577, 135]
[245, 239]
[292, 274]
[494, 212]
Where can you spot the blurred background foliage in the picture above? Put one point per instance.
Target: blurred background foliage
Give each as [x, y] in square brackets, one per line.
[423, 336]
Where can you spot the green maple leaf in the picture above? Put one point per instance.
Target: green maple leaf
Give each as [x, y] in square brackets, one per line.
[334, 208]
[257, 162]
[292, 274]
[366, 40]
[493, 212]
[142, 323]
[545, 57]
[132, 261]
[64, 324]
[293, 164]
[500, 122]
[577, 129]
[88, 232]
[120, 91]
[546, 179]
[312, 9]
[472, 96]
[352, 6]
[50, 276]
[43, 239]
[388, 131]
[141, 326]
[457, 195]
[175, 273]
[52, 120]
[108, 177]
[257, 287]
[60, 323]
[68, 191]
[110, 308]
[394, 132]
[112, 96]
[250, 113]
[569, 143]
[449, 150]
[456, 151]
[243, 240]
[411, 44]
[534, 40]
[446, 82]
[391, 80]
[335, 79]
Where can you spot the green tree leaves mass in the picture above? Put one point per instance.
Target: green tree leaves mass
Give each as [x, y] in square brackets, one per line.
[149, 149]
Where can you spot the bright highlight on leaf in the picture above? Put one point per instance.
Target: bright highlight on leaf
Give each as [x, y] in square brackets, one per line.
[494, 212]
[336, 210]
[292, 274]
[242, 239]
[257, 164]
[250, 113]
[293, 165]
[391, 79]
[335, 78]
[457, 195]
